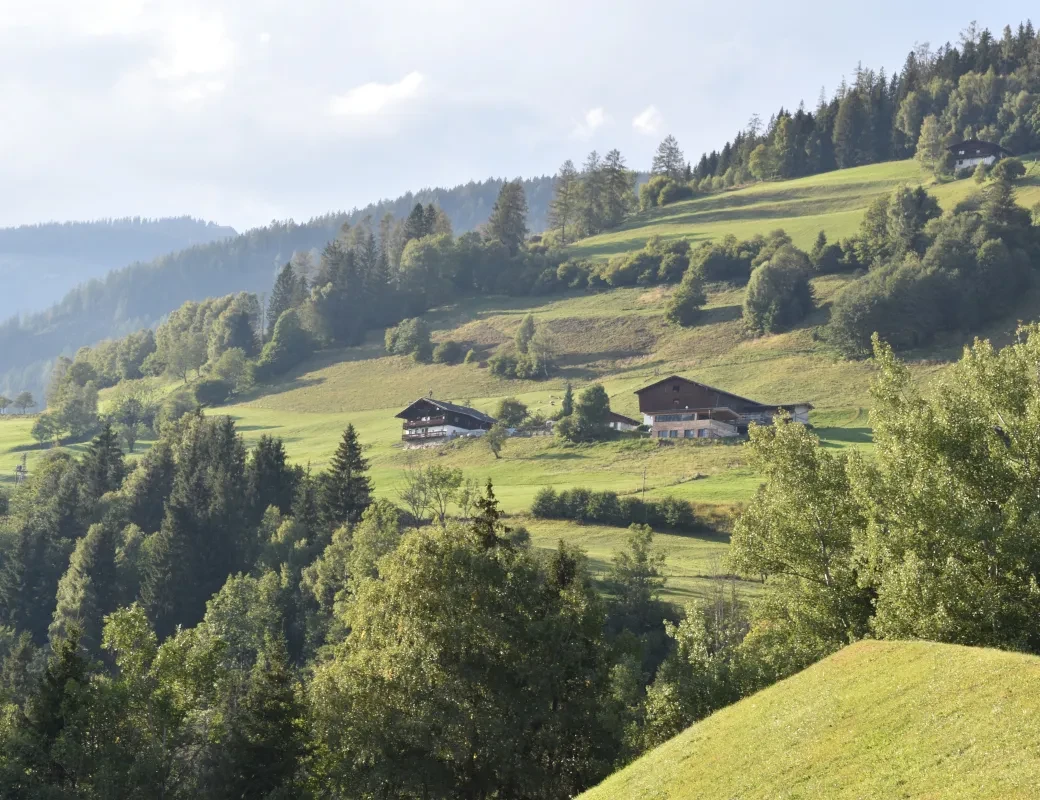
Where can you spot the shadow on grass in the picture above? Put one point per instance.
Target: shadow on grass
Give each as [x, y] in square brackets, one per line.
[831, 437]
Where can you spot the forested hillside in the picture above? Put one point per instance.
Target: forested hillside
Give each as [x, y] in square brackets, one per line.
[138, 295]
[40, 263]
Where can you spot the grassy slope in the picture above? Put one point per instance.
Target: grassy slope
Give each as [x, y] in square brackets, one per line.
[876, 720]
[619, 338]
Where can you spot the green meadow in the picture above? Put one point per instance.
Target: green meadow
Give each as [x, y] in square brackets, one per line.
[876, 720]
[621, 339]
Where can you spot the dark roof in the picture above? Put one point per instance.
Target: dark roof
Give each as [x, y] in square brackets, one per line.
[977, 147]
[721, 391]
[442, 404]
[613, 416]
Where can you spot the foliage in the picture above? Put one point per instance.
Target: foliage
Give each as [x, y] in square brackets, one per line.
[448, 352]
[212, 392]
[589, 420]
[609, 508]
[778, 294]
[289, 345]
[511, 412]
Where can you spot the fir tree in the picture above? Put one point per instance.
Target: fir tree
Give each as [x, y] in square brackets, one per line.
[283, 296]
[593, 194]
[346, 489]
[270, 479]
[103, 467]
[268, 731]
[415, 225]
[618, 185]
[567, 405]
[89, 590]
[851, 132]
[669, 160]
[508, 221]
[566, 203]
[487, 524]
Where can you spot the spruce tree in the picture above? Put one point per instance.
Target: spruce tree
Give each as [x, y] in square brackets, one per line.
[346, 489]
[103, 467]
[270, 479]
[567, 406]
[415, 225]
[283, 295]
[89, 590]
[267, 740]
[592, 212]
[565, 206]
[852, 132]
[430, 220]
[508, 221]
[618, 188]
[669, 160]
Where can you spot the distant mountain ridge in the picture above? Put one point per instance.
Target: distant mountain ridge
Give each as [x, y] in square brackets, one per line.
[40, 263]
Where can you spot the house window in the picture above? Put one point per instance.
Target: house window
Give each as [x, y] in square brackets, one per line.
[703, 433]
[662, 434]
[673, 434]
[690, 434]
[675, 387]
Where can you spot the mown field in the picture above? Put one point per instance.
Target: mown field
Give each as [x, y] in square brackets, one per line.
[619, 338]
[876, 720]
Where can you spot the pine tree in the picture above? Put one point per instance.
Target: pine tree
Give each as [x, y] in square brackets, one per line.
[566, 203]
[415, 225]
[49, 733]
[487, 524]
[669, 160]
[268, 732]
[283, 296]
[851, 132]
[89, 590]
[618, 185]
[567, 405]
[346, 489]
[270, 479]
[430, 218]
[508, 221]
[592, 213]
[103, 467]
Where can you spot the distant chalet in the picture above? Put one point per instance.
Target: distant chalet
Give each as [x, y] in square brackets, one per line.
[429, 420]
[972, 152]
[678, 408]
[620, 422]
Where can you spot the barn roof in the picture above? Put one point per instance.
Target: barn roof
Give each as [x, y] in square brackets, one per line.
[977, 147]
[715, 389]
[456, 409]
[613, 416]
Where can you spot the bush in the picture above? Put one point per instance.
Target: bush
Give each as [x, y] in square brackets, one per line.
[290, 344]
[686, 303]
[212, 392]
[673, 192]
[449, 352]
[607, 508]
[410, 337]
[503, 365]
[172, 409]
[546, 504]
[778, 294]
[471, 357]
[511, 412]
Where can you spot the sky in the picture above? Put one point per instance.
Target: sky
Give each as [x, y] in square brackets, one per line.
[245, 111]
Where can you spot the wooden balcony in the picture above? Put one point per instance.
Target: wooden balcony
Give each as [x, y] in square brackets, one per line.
[424, 423]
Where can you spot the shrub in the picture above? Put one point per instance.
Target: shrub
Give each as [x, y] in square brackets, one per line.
[503, 365]
[290, 344]
[172, 409]
[411, 336]
[449, 352]
[511, 412]
[778, 294]
[212, 392]
[546, 504]
[673, 192]
[686, 303]
[471, 357]
[607, 508]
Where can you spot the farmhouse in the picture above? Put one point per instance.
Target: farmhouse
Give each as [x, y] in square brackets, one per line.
[972, 152]
[429, 420]
[620, 422]
[678, 408]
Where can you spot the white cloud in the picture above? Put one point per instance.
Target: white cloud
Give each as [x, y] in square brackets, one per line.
[648, 121]
[263, 38]
[194, 45]
[371, 99]
[595, 118]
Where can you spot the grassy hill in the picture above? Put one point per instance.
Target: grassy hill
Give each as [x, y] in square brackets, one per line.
[876, 720]
[621, 339]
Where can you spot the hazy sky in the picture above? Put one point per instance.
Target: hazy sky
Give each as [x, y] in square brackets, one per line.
[243, 111]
